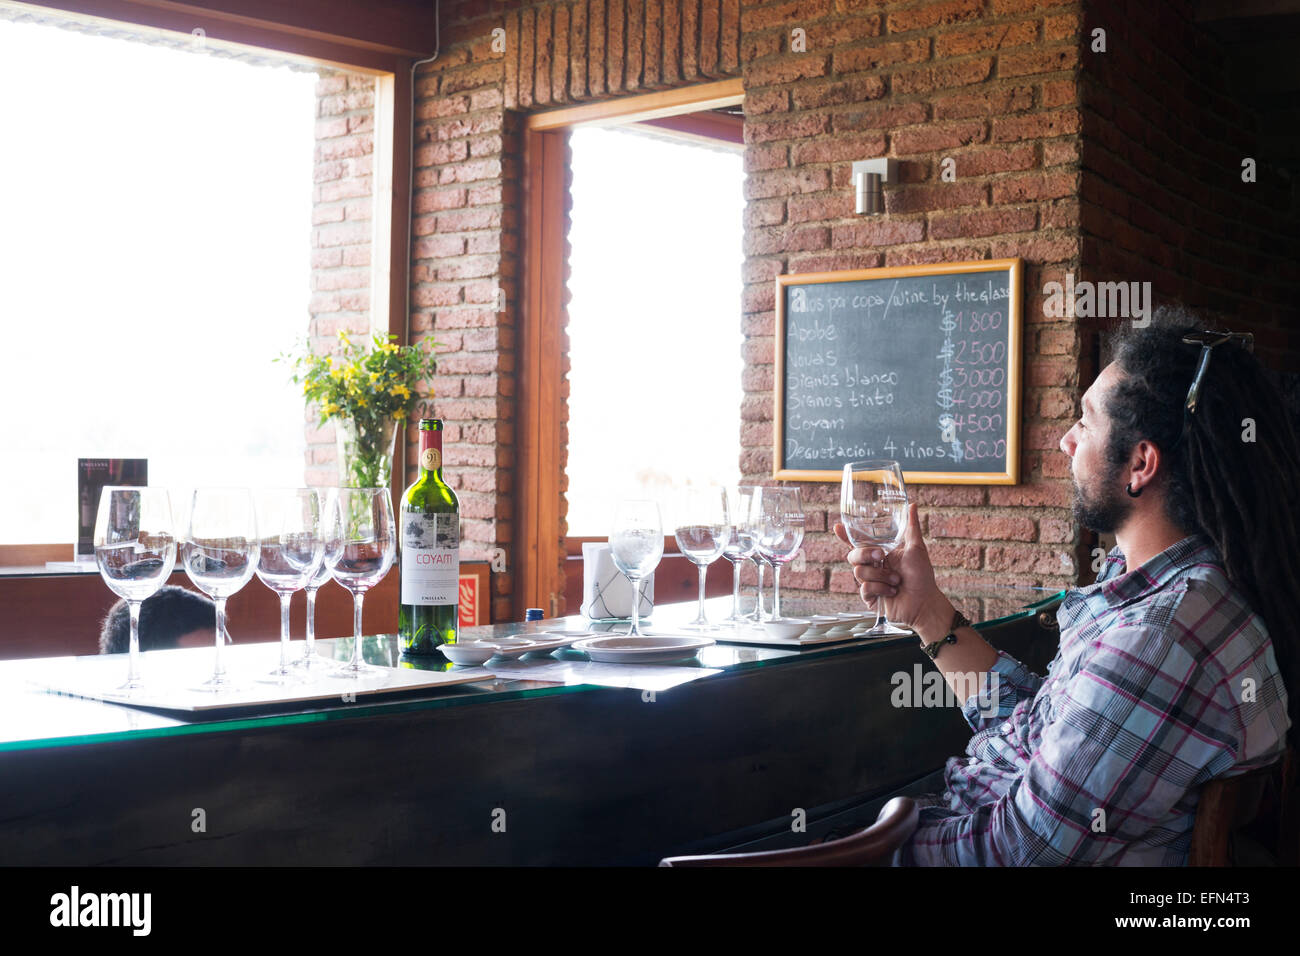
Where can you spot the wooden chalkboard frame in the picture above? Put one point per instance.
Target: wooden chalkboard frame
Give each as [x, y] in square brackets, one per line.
[1015, 329]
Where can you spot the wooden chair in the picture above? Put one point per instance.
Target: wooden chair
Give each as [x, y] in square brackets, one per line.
[1250, 819]
[873, 846]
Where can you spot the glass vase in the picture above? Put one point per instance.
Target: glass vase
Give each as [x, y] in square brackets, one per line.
[365, 451]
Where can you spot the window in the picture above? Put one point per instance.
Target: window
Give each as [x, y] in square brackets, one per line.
[155, 242]
[654, 319]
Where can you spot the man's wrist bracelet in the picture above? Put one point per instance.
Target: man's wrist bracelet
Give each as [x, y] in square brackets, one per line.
[958, 620]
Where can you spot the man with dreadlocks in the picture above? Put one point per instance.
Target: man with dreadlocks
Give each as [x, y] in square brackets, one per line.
[1174, 667]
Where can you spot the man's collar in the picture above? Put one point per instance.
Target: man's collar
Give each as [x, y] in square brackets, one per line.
[1121, 586]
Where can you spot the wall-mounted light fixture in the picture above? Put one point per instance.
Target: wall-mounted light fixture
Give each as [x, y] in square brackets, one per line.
[868, 177]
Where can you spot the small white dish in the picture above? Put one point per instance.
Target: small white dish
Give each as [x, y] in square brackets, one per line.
[468, 653]
[641, 650]
[821, 623]
[786, 627]
[513, 648]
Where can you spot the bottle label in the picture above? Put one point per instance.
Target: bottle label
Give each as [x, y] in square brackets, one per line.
[430, 559]
[430, 450]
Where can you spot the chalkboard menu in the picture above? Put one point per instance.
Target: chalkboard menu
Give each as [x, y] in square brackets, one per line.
[917, 363]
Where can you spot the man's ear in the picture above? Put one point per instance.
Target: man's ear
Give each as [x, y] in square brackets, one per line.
[1145, 464]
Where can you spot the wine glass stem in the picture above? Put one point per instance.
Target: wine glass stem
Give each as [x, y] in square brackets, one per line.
[311, 623]
[700, 618]
[759, 613]
[133, 663]
[636, 608]
[776, 591]
[880, 605]
[285, 598]
[357, 598]
[735, 591]
[218, 668]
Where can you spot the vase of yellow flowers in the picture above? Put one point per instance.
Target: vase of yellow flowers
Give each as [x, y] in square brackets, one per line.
[368, 391]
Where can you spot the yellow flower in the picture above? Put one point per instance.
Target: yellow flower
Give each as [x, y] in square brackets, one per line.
[400, 390]
[399, 414]
[374, 377]
[330, 408]
[361, 400]
[336, 373]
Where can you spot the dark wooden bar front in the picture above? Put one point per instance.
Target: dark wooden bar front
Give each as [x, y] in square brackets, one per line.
[544, 776]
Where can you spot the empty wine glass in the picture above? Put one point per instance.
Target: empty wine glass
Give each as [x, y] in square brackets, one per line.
[291, 549]
[702, 527]
[220, 553]
[760, 610]
[740, 548]
[780, 534]
[873, 510]
[319, 577]
[636, 546]
[360, 546]
[135, 549]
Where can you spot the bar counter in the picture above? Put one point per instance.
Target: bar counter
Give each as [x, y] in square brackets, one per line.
[497, 772]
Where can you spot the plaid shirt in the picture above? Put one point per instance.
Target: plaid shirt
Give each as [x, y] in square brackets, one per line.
[1164, 679]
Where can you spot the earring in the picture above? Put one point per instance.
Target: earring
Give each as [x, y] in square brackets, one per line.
[1131, 492]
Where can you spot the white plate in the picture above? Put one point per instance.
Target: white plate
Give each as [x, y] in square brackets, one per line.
[641, 650]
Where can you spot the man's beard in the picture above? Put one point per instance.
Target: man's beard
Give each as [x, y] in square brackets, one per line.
[1105, 511]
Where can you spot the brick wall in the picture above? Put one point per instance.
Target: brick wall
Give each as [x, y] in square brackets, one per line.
[993, 86]
[342, 199]
[997, 85]
[1163, 198]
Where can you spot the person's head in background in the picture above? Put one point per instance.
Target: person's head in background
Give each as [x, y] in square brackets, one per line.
[171, 617]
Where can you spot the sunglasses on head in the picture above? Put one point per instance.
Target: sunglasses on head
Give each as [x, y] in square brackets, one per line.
[1207, 341]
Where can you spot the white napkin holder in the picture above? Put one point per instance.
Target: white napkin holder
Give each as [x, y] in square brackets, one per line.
[606, 591]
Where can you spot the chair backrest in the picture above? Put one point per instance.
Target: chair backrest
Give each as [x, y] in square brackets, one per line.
[873, 846]
[1262, 806]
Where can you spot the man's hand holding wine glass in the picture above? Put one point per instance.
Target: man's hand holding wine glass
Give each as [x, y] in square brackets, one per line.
[905, 580]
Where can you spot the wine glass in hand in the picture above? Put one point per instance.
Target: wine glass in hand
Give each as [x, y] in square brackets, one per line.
[636, 546]
[221, 551]
[135, 549]
[873, 510]
[360, 546]
[703, 530]
[291, 548]
[780, 534]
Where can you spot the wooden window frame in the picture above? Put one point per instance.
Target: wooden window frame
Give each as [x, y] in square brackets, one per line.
[349, 42]
[540, 548]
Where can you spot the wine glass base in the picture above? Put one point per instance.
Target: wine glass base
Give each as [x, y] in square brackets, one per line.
[313, 663]
[886, 630]
[698, 626]
[348, 669]
[216, 685]
[279, 677]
